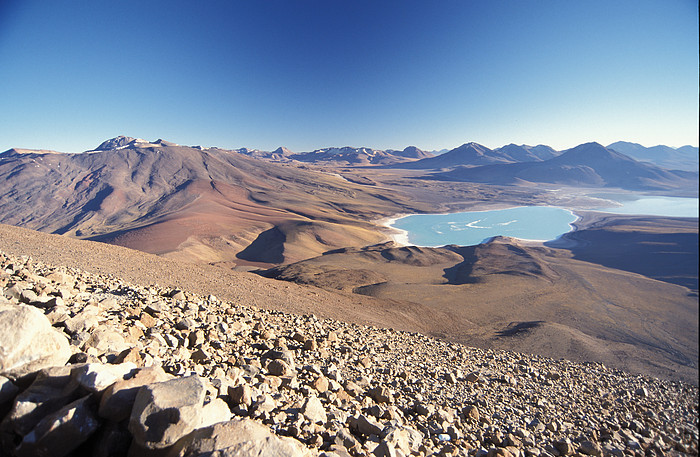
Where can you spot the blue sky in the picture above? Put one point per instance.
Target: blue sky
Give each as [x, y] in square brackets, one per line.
[311, 74]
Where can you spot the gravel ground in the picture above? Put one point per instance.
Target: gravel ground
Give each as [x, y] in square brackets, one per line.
[344, 388]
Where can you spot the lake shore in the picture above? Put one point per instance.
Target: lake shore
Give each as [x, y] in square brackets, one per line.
[401, 236]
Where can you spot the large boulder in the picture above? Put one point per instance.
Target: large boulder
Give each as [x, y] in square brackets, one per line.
[52, 389]
[118, 399]
[60, 433]
[28, 342]
[237, 437]
[164, 412]
[96, 377]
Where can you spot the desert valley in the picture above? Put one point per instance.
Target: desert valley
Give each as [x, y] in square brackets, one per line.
[307, 234]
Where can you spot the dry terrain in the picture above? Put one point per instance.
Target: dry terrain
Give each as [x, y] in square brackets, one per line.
[95, 365]
[504, 295]
[619, 290]
[531, 298]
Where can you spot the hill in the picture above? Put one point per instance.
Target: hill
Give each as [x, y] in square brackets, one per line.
[586, 165]
[207, 204]
[466, 154]
[590, 306]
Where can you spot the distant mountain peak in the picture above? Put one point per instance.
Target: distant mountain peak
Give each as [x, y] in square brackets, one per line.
[282, 151]
[121, 142]
[115, 143]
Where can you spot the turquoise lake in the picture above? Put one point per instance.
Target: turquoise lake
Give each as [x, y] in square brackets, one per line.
[540, 223]
[653, 206]
[466, 229]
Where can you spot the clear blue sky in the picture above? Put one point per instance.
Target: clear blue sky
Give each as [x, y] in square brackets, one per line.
[311, 74]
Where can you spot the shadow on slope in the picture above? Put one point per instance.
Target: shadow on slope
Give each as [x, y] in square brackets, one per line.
[517, 328]
[500, 256]
[665, 249]
[268, 247]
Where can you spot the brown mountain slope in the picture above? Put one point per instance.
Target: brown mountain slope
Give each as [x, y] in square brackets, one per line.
[243, 288]
[189, 203]
[527, 298]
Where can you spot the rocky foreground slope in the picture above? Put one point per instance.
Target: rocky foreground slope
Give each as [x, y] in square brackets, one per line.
[92, 365]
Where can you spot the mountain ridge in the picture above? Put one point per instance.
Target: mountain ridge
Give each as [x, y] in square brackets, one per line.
[586, 165]
[682, 158]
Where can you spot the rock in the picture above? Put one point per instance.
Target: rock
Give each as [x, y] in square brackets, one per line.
[7, 390]
[366, 425]
[148, 320]
[200, 356]
[52, 389]
[96, 377]
[129, 355]
[381, 394]
[239, 437]
[281, 354]
[310, 345]
[118, 399]
[353, 389]
[565, 447]
[157, 308]
[473, 377]
[106, 340]
[60, 433]
[499, 452]
[164, 412]
[423, 409]
[28, 343]
[177, 294]
[590, 448]
[405, 439]
[314, 411]
[186, 324]
[471, 413]
[262, 405]
[320, 384]
[28, 296]
[84, 321]
[641, 392]
[61, 277]
[279, 367]
[111, 440]
[384, 449]
[214, 412]
[241, 394]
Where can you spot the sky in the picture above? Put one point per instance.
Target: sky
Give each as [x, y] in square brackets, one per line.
[310, 74]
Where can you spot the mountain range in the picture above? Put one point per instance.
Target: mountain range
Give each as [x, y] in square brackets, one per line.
[609, 298]
[202, 204]
[476, 154]
[240, 206]
[586, 165]
[683, 158]
[345, 156]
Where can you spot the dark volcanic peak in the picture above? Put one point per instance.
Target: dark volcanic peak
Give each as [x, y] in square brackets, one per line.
[593, 154]
[282, 151]
[466, 154]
